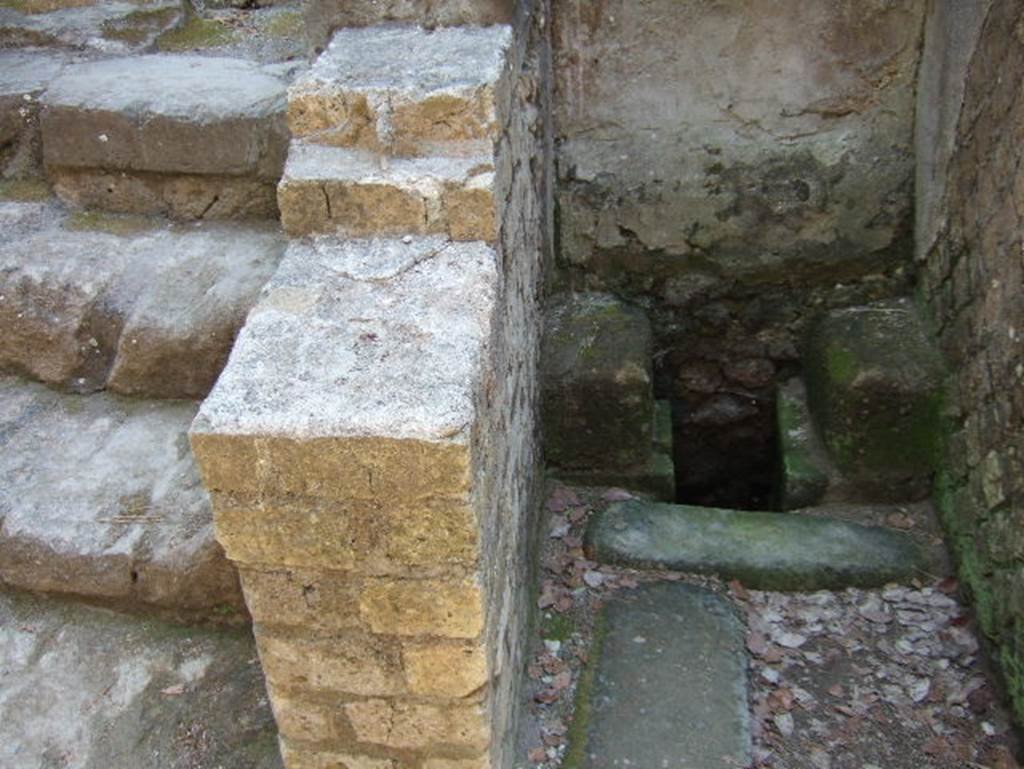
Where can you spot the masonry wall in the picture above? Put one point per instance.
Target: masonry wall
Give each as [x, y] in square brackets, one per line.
[508, 439]
[735, 169]
[971, 249]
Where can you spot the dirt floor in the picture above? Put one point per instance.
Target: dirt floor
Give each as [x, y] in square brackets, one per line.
[858, 679]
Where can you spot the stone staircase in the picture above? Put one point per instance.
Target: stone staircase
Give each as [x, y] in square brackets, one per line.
[120, 299]
[370, 483]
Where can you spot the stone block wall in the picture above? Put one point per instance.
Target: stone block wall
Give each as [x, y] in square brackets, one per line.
[509, 438]
[372, 453]
[970, 245]
[736, 169]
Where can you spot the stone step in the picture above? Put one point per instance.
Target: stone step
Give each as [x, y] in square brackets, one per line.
[24, 76]
[665, 684]
[324, 17]
[191, 137]
[358, 193]
[770, 551]
[117, 514]
[139, 306]
[106, 26]
[90, 689]
[402, 90]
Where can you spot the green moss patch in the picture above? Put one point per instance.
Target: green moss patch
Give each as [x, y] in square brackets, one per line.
[196, 33]
[24, 190]
[576, 738]
[112, 224]
[557, 627]
[287, 24]
[138, 26]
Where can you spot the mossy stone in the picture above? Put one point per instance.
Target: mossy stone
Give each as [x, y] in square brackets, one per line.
[874, 384]
[803, 467]
[24, 190]
[139, 26]
[596, 378]
[766, 551]
[194, 34]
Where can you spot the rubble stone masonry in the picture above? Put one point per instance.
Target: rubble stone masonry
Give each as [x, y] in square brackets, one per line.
[970, 244]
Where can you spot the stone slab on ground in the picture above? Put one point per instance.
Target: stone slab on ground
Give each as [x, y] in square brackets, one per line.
[180, 115]
[669, 686]
[24, 75]
[804, 471]
[596, 380]
[100, 497]
[93, 300]
[357, 193]
[874, 384]
[771, 551]
[107, 26]
[87, 688]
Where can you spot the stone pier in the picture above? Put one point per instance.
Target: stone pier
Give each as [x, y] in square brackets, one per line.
[371, 447]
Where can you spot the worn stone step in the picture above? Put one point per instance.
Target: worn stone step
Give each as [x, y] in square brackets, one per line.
[357, 193]
[92, 301]
[107, 26]
[324, 17]
[24, 75]
[771, 551]
[402, 89]
[191, 137]
[86, 688]
[666, 685]
[100, 498]
[874, 385]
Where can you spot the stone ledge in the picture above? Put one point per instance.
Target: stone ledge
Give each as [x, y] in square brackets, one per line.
[167, 114]
[342, 318]
[24, 75]
[177, 196]
[765, 551]
[401, 89]
[323, 17]
[112, 690]
[117, 514]
[132, 304]
[356, 193]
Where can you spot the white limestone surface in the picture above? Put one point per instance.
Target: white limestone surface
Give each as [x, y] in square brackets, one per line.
[410, 60]
[84, 688]
[362, 338]
[195, 88]
[100, 497]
